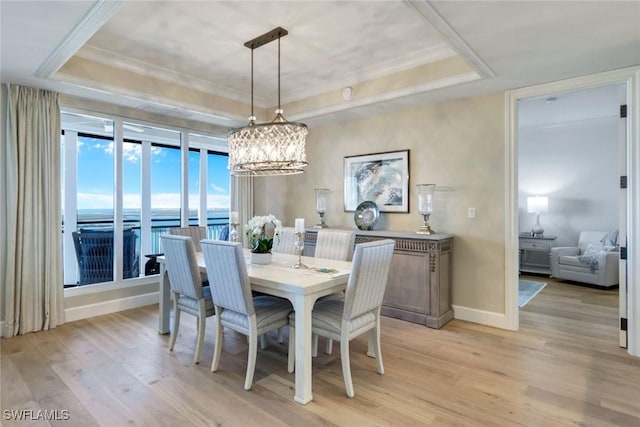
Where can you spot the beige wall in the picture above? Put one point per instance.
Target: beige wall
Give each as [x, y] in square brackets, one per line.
[458, 145]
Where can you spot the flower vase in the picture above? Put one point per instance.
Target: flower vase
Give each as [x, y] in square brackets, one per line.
[260, 258]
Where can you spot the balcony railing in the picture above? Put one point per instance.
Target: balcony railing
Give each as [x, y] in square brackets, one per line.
[159, 226]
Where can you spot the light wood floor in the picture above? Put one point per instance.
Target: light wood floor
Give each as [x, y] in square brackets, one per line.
[563, 368]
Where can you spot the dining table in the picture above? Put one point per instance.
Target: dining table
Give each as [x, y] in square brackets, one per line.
[302, 286]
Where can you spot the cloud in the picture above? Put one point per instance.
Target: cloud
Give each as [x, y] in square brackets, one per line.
[158, 201]
[165, 201]
[215, 201]
[95, 201]
[131, 152]
[217, 188]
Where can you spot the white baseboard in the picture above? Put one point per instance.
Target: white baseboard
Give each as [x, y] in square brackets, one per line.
[488, 318]
[107, 307]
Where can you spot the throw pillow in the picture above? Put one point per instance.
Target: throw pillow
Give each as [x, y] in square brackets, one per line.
[610, 239]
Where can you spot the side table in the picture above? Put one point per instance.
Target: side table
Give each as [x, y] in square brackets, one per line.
[535, 253]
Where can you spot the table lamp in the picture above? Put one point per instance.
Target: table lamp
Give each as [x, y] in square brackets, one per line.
[537, 205]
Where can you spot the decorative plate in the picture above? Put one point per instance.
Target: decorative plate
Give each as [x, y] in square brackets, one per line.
[366, 215]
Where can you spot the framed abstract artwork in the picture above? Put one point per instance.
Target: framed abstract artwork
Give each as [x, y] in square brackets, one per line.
[382, 178]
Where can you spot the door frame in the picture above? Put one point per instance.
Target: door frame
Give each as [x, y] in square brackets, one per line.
[631, 78]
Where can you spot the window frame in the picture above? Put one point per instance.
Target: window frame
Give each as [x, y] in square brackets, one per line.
[70, 178]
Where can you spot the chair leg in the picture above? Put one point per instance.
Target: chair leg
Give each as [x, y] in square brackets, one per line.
[280, 336]
[376, 338]
[202, 317]
[176, 323]
[219, 340]
[346, 366]
[263, 341]
[329, 348]
[291, 357]
[253, 351]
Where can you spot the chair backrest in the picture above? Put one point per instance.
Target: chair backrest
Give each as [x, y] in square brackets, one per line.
[94, 253]
[335, 244]
[182, 265]
[368, 278]
[286, 243]
[196, 233]
[228, 278]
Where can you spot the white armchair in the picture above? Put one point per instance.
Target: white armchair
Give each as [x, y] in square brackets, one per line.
[590, 262]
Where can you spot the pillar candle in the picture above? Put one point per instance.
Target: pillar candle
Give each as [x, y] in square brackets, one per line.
[299, 225]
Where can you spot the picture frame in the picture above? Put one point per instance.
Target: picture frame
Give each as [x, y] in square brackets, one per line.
[382, 178]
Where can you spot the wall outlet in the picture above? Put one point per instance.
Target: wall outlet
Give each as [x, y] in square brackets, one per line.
[472, 212]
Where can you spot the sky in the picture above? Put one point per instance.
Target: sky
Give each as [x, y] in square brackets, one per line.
[95, 177]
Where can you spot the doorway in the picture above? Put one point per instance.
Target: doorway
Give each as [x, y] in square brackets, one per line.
[629, 78]
[569, 150]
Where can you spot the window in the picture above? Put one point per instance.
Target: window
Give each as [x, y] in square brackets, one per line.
[194, 186]
[149, 188]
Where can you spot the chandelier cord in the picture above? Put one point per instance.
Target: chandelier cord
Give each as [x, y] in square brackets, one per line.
[252, 115]
[278, 71]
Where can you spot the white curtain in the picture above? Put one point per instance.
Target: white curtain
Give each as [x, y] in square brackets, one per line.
[31, 246]
[242, 202]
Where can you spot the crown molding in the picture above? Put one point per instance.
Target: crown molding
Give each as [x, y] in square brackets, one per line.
[97, 16]
[387, 96]
[427, 11]
[112, 59]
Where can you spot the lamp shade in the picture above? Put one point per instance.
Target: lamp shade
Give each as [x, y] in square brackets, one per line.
[537, 204]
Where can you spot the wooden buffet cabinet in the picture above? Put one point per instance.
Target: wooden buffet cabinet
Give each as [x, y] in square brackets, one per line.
[419, 287]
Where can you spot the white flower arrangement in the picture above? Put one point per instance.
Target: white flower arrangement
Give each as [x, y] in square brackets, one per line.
[259, 239]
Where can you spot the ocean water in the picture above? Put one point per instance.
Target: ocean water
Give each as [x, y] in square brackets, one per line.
[159, 217]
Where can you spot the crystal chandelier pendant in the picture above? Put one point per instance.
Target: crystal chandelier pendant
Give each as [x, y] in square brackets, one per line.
[274, 148]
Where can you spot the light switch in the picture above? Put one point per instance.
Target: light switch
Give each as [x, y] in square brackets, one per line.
[472, 212]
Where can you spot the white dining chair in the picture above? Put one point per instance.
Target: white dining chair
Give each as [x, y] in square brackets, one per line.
[195, 232]
[189, 295]
[358, 312]
[335, 244]
[286, 243]
[236, 308]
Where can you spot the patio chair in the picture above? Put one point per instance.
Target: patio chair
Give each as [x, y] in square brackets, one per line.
[94, 253]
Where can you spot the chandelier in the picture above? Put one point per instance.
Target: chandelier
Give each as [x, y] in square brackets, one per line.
[273, 148]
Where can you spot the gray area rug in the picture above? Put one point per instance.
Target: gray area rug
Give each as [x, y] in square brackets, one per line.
[527, 289]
